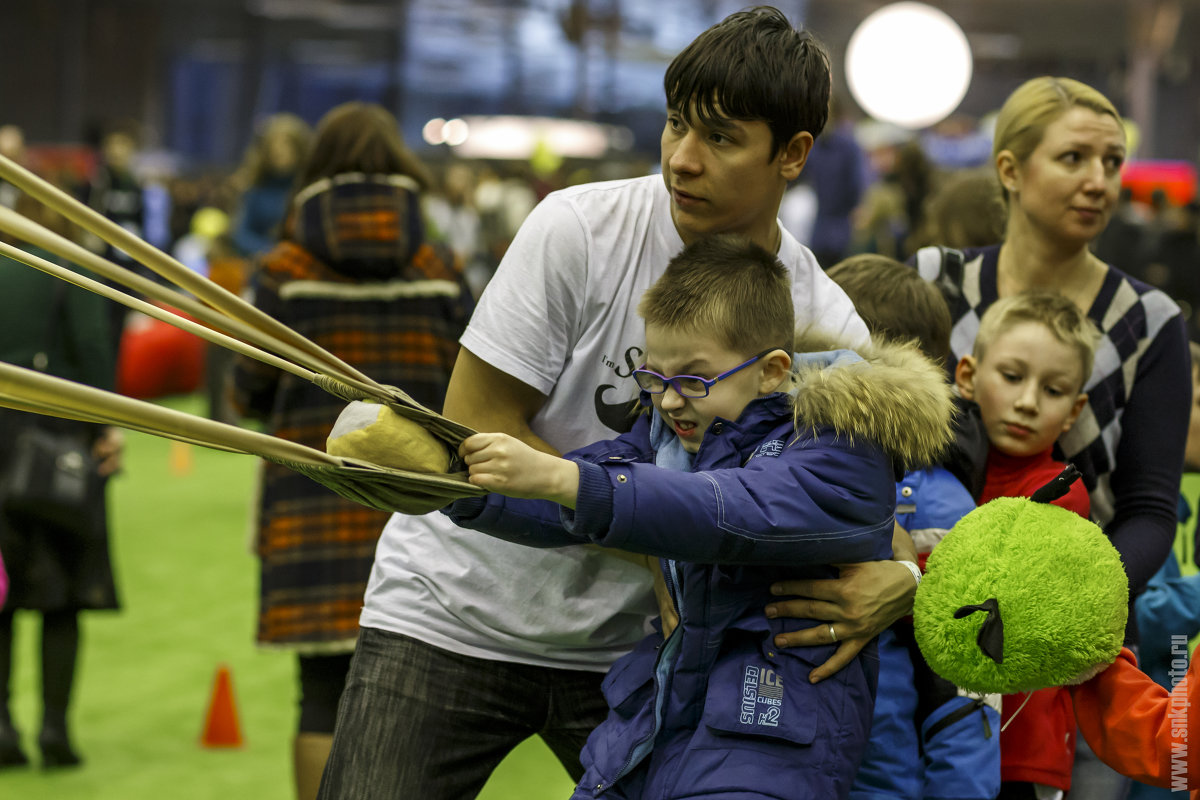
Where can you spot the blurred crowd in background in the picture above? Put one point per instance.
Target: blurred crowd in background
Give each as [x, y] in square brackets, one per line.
[217, 220]
[867, 188]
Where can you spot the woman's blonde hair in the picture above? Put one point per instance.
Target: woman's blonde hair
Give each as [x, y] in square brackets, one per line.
[1034, 105]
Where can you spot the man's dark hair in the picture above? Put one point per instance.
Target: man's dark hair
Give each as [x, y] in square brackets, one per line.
[753, 65]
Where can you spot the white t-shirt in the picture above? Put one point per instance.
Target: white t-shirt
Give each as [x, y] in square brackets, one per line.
[561, 316]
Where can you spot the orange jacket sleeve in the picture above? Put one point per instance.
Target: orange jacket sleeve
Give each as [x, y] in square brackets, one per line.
[1139, 728]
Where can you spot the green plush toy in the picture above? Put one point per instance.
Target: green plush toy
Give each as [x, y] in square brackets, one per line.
[1019, 596]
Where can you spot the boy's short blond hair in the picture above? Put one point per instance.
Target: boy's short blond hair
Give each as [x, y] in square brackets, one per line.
[727, 287]
[1057, 313]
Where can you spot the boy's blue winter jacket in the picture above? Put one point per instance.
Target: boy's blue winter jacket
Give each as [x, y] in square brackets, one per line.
[717, 710]
[927, 740]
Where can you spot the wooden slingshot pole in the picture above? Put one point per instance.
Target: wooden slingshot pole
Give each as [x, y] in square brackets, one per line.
[224, 319]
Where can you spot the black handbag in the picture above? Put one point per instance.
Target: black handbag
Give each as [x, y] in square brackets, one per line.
[51, 476]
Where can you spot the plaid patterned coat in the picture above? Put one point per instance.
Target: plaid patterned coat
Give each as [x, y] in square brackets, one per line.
[355, 275]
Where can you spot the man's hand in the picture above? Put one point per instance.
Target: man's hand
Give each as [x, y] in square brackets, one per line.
[859, 604]
[500, 463]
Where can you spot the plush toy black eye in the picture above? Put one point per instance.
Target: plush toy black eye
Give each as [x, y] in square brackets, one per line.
[991, 635]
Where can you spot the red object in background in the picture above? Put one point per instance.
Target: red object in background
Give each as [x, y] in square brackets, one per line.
[157, 359]
[1176, 178]
[73, 163]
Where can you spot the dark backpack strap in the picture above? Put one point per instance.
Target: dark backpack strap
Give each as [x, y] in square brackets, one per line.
[966, 457]
[943, 267]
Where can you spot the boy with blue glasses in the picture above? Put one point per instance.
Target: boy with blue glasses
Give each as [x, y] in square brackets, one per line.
[736, 481]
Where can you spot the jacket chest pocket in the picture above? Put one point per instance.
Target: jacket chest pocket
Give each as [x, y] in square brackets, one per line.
[629, 684]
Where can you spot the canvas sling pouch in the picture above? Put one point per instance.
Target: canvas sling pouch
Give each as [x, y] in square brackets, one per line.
[52, 476]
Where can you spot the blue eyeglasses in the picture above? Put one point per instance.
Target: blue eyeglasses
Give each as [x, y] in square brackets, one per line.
[687, 385]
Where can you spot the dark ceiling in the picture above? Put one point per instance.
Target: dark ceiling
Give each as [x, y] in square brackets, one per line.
[65, 62]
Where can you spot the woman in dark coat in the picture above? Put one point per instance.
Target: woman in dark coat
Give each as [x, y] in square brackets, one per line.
[56, 567]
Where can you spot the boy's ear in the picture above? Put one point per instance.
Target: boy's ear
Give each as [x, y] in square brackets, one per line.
[1076, 409]
[794, 155]
[964, 377]
[775, 367]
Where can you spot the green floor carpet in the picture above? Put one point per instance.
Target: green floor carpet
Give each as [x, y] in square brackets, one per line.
[188, 582]
[188, 591]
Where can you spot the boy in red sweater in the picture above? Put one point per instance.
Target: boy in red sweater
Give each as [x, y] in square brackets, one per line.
[1031, 358]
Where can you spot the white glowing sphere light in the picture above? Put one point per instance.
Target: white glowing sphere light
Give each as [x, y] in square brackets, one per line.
[456, 131]
[434, 131]
[908, 64]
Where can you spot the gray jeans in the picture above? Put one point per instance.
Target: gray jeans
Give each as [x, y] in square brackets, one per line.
[418, 721]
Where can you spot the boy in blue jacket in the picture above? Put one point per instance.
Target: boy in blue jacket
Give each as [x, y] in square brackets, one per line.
[928, 742]
[743, 470]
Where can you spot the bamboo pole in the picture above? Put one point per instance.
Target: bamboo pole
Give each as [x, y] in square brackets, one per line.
[223, 319]
[29, 231]
[162, 314]
[379, 487]
[30, 390]
[154, 259]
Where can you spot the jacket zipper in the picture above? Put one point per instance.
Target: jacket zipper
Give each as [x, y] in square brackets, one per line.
[959, 714]
[662, 666]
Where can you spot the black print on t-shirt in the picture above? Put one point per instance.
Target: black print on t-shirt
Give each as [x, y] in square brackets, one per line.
[616, 416]
[619, 416]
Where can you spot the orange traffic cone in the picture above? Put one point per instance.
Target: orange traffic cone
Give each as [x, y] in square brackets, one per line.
[221, 728]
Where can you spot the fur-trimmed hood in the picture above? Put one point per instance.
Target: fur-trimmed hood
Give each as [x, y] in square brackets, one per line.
[895, 396]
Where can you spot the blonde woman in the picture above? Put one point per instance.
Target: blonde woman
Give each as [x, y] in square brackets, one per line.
[1058, 150]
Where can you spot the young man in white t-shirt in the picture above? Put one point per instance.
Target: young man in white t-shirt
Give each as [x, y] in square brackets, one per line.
[469, 645]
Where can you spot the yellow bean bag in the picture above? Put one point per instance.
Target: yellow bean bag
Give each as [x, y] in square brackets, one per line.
[374, 432]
